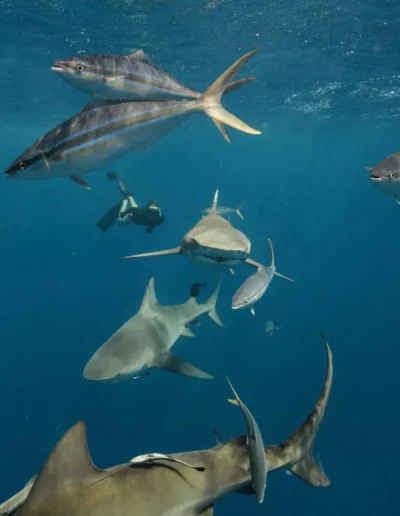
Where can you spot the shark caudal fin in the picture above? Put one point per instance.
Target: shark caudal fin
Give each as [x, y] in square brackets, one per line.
[211, 100]
[296, 453]
[273, 263]
[238, 211]
[175, 250]
[212, 302]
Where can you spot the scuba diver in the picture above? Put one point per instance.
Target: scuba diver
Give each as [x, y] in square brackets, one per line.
[194, 289]
[128, 212]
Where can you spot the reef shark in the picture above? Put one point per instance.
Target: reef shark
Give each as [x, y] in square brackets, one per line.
[146, 340]
[212, 241]
[186, 484]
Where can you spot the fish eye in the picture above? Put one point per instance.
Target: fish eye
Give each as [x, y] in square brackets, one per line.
[22, 165]
[79, 67]
[392, 175]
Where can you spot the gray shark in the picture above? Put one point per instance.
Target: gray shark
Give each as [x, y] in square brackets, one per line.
[125, 76]
[386, 175]
[108, 129]
[69, 483]
[146, 340]
[212, 241]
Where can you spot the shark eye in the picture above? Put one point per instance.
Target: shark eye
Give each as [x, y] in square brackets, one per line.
[79, 67]
[392, 175]
[22, 165]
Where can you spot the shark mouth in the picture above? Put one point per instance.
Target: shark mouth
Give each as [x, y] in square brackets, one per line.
[375, 178]
[218, 257]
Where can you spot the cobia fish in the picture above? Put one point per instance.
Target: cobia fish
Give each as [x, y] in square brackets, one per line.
[102, 133]
[131, 76]
[256, 285]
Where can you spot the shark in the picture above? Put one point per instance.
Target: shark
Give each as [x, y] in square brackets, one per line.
[184, 484]
[146, 339]
[212, 241]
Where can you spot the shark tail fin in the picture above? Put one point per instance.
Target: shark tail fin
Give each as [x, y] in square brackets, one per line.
[212, 301]
[273, 263]
[211, 99]
[239, 212]
[301, 442]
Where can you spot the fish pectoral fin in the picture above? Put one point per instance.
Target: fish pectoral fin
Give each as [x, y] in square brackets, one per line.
[232, 271]
[110, 80]
[234, 402]
[175, 250]
[208, 511]
[253, 263]
[308, 470]
[283, 277]
[187, 332]
[253, 310]
[80, 182]
[172, 363]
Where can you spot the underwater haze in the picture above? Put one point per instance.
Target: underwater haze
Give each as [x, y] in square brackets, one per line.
[327, 100]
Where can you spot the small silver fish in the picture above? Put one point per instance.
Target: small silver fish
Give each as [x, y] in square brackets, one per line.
[258, 464]
[255, 286]
[224, 211]
[271, 327]
[153, 457]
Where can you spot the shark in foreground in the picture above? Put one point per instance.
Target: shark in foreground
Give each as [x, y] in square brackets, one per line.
[106, 130]
[146, 340]
[179, 484]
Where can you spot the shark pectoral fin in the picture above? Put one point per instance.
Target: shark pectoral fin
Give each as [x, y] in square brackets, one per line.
[80, 182]
[175, 364]
[222, 129]
[253, 263]
[370, 169]
[11, 505]
[187, 332]
[308, 470]
[175, 250]
[283, 277]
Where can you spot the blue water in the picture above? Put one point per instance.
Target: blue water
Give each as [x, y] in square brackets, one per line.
[327, 101]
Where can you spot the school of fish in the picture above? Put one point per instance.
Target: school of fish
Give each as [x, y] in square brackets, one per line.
[134, 104]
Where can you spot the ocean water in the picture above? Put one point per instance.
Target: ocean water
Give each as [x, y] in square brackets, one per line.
[327, 99]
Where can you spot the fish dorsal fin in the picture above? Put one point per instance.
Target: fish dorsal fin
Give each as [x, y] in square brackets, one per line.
[139, 55]
[69, 462]
[150, 304]
[215, 202]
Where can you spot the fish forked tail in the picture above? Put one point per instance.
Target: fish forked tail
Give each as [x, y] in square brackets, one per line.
[212, 302]
[211, 100]
[273, 263]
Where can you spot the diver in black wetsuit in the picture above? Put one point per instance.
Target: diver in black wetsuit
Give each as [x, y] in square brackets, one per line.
[128, 212]
[194, 289]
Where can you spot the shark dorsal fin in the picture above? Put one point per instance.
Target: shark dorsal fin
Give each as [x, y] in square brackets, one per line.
[138, 54]
[215, 203]
[69, 462]
[150, 304]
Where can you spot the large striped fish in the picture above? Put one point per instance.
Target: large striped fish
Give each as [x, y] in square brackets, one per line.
[102, 133]
[131, 76]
